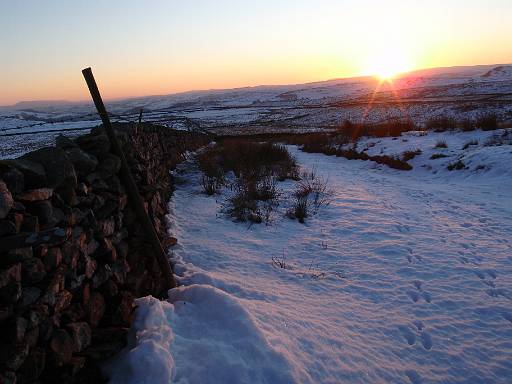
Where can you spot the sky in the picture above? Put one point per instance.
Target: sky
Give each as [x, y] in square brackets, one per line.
[155, 47]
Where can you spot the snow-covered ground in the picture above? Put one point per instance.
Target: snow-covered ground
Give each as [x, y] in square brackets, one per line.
[405, 278]
[460, 92]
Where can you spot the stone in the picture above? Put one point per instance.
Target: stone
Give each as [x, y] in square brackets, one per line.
[9, 275]
[6, 200]
[17, 255]
[32, 270]
[33, 173]
[14, 331]
[59, 170]
[64, 142]
[68, 194]
[83, 162]
[75, 312]
[109, 166]
[45, 213]
[37, 314]
[36, 194]
[62, 300]
[107, 227]
[17, 219]
[90, 266]
[18, 207]
[6, 312]
[8, 377]
[7, 227]
[29, 295]
[97, 145]
[33, 366]
[70, 253]
[62, 346]
[108, 209]
[122, 248]
[82, 189]
[109, 289]
[126, 307]
[86, 294]
[30, 223]
[58, 281]
[81, 334]
[169, 241]
[109, 335]
[52, 259]
[46, 328]
[10, 293]
[14, 180]
[95, 308]
[106, 251]
[103, 273]
[16, 356]
[119, 271]
[32, 336]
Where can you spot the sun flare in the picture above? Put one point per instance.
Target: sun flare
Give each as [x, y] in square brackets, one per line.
[389, 63]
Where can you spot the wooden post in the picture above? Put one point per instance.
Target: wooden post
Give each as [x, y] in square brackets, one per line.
[129, 183]
[139, 123]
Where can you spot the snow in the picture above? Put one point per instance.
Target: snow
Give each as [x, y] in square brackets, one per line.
[405, 278]
[460, 92]
[212, 339]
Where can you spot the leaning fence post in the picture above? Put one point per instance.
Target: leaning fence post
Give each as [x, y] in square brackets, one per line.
[129, 183]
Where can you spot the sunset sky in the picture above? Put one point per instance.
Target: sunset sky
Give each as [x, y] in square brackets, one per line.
[158, 47]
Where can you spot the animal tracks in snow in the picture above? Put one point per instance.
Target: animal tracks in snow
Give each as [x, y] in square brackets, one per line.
[419, 293]
[412, 334]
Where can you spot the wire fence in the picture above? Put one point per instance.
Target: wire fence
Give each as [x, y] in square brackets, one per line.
[170, 121]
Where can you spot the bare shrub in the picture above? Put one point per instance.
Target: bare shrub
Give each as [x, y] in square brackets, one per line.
[280, 262]
[505, 138]
[245, 157]
[213, 174]
[311, 193]
[441, 144]
[391, 128]
[409, 155]
[487, 121]
[441, 124]
[467, 125]
[458, 165]
[469, 143]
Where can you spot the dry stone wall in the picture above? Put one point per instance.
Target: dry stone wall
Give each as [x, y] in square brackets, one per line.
[72, 254]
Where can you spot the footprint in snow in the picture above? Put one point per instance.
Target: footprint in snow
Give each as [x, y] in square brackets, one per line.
[413, 376]
[415, 295]
[497, 292]
[426, 340]
[480, 274]
[409, 336]
[492, 273]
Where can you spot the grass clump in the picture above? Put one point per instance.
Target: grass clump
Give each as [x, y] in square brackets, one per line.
[458, 165]
[469, 143]
[441, 144]
[311, 193]
[438, 156]
[256, 168]
[441, 124]
[409, 155]
[487, 121]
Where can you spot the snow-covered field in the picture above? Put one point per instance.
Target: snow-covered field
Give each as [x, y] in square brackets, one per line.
[461, 92]
[405, 278]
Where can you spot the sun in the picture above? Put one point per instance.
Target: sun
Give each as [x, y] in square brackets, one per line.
[388, 63]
